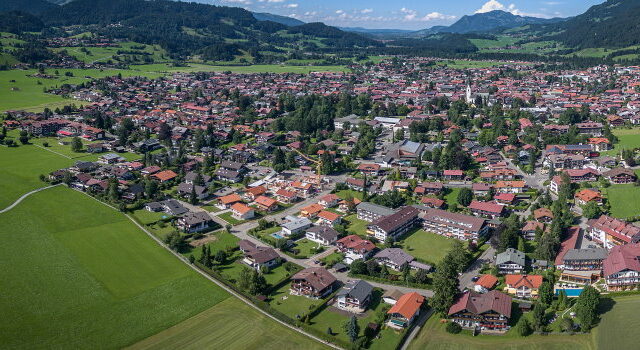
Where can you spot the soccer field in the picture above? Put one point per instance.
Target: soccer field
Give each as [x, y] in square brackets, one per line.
[83, 276]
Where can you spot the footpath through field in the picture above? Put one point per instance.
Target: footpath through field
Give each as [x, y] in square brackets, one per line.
[25, 196]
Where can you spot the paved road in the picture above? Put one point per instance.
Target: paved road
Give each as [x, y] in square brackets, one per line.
[474, 269]
[25, 196]
[416, 328]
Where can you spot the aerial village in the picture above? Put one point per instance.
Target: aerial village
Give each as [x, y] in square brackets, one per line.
[332, 195]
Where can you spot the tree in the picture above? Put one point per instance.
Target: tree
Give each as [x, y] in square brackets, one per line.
[244, 278]
[539, 316]
[221, 257]
[458, 256]
[228, 227]
[453, 328]
[358, 267]
[174, 240]
[591, 210]
[329, 331]
[76, 144]
[193, 198]
[545, 293]
[352, 329]
[445, 286]
[523, 327]
[587, 307]
[465, 196]
[24, 137]
[150, 188]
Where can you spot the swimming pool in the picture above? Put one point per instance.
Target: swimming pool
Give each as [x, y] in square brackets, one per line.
[570, 292]
[276, 235]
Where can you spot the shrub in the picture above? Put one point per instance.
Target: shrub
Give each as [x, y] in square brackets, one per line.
[453, 328]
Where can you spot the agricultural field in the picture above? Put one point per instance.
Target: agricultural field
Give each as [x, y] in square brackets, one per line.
[619, 324]
[20, 168]
[624, 200]
[83, 276]
[427, 246]
[227, 325]
[103, 54]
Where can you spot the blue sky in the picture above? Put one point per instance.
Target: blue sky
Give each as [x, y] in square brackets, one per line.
[404, 14]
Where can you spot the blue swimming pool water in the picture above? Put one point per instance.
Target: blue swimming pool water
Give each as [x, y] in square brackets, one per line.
[573, 292]
[277, 235]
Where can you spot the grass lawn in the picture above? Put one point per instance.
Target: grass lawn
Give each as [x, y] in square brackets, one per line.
[427, 246]
[211, 208]
[230, 219]
[222, 241]
[452, 196]
[291, 305]
[356, 226]
[306, 248]
[624, 200]
[83, 276]
[65, 149]
[344, 194]
[333, 258]
[148, 217]
[228, 325]
[433, 336]
[20, 168]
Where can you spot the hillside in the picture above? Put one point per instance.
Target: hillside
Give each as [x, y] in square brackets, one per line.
[30, 6]
[287, 21]
[484, 22]
[186, 29]
[612, 24]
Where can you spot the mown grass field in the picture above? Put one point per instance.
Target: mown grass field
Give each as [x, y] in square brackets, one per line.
[618, 327]
[228, 325]
[82, 276]
[624, 200]
[20, 168]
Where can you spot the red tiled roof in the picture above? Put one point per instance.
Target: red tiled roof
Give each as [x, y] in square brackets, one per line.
[407, 305]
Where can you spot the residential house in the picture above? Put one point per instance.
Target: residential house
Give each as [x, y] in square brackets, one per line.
[586, 196]
[185, 190]
[295, 225]
[369, 169]
[258, 257]
[170, 207]
[543, 215]
[194, 222]
[286, 197]
[397, 259]
[324, 235]
[227, 201]
[241, 211]
[252, 193]
[329, 201]
[453, 175]
[355, 248]
[490, 311]
[523, 286]
[328, 218]
[313, 282]
[511, 261]
[530, 228]
[481, 189]
[165, 176]
[311, 211]
[405, 310]
[265, 203]
[391, 296]
[354, 296]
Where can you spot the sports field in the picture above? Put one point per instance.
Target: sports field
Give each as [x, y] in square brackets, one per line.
[83, 276]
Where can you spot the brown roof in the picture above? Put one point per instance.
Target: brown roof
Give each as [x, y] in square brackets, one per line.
[391, 222]
[477, 303]
[407, 305]
[318, 277]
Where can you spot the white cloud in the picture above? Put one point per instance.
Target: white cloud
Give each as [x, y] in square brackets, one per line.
[491, 5]
[364, 11]
[291, 6]
[437, 16]
[339, 12]
[412, 15]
